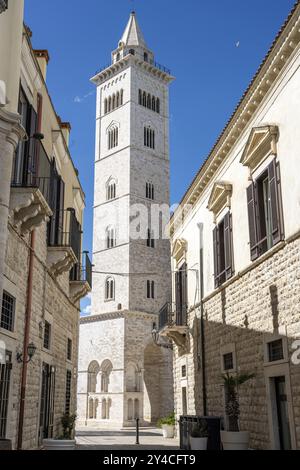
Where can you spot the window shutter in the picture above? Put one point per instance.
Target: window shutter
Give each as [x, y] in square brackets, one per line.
[228, 245]
[275, 202]
[60, 209]
[252, 217]
[184, 299]
[216, 243]
[177, 296]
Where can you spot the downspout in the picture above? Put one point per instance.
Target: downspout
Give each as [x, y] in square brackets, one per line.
[26, 341]
[202, 328]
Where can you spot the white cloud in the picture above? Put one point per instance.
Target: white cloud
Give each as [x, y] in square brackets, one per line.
[87, 310]
[80, 99]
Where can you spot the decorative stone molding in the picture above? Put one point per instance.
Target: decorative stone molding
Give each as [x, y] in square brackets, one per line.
[28, 209]
[179, 249]
[179, 335]
[60, 259]
[220, 198]
[78, 290]
[261, 143]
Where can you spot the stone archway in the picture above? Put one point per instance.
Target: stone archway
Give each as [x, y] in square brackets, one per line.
[153, 367]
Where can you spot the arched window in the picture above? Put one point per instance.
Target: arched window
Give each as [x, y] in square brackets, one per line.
[157, 105]
[145, 99]
[110, 237]
[140, 97]
[150, 290]
[146, 57]
[113, 137]
[153, 103]
[132, 51]
[109, 104]
[150, 191]
[111, 191]
[93, 371]
[109, 289]
[130, 410]
[106, 370]
[121, 97]
[114, 102]
[118, 56]
[149, 101]
[150, 239]
[105, 106]
[118, 99]
[149, 137]
[91, 408]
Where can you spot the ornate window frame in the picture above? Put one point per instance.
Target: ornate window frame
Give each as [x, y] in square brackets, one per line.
[220, 198]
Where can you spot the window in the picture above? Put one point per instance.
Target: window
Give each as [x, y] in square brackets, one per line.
[118, 56]
[118, 99]
[181, 295]
[110, 238]
[140, 97]
[275, 349]
[228, 361]
[47, 335]
[149, 101]
[150, 191]
[69, 349]
[157, 105]
[223, 253]
[149, 137]
[109, 104]
[145, 99]
[150, 239]
[113, 138]
[68, 391]
[146, 57]
[183, 372]
[109, 289]
[153, 103]
[111, 191]
[8, 311]
[114, 102]
[265, 211]
[121, 97]
[132, 51]
[105, 106]
[150, 290]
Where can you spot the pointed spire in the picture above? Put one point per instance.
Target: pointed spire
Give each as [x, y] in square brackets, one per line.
[133, 35]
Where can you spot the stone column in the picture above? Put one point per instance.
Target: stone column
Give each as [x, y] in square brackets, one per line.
[10, 133]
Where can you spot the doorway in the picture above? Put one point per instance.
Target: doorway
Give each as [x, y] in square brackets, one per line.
[47, 401]
[283, 421]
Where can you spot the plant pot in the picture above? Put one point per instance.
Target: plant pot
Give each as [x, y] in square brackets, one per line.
[198, 443]
[168, 431]
[56, 444]
[235, 440]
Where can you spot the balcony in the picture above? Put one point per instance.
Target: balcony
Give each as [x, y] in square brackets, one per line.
[81, 279]
[173, 325]
[64, 241]
[30, 202]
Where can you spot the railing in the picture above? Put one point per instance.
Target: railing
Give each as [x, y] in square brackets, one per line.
[64, 231]
[172, 315]
[82, 272]
[44, 184]
[158, 66]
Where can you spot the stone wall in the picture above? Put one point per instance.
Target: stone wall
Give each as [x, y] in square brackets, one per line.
[50, 302]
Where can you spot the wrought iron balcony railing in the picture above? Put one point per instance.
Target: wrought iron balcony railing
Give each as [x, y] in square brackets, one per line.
[172, 315]
[82, 271]
[157, 65]
[64, 231]
[44, 184]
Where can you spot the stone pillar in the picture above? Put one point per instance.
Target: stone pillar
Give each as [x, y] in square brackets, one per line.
[10, 134]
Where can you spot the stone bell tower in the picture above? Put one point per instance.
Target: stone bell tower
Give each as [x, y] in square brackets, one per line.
[122, 373]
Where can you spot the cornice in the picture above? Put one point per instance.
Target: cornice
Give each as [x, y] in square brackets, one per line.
[277, 58]
[129, 60]
[117, 315]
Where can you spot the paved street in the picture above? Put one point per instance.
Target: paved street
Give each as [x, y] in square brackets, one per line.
[150, 439]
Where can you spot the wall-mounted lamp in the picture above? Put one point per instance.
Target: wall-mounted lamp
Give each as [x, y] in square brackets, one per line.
[156, 339]
[31, 350]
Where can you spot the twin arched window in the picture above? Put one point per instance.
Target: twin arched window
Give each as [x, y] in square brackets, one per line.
[150, 239]
[149, 137]
[110, 237]
[111, 192]
[110, 289]
[113, 137]
[113, 102]
[150, 289]
[149, 101]
[150, 191]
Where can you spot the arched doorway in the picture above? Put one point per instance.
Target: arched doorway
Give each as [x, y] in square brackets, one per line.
[153, 374]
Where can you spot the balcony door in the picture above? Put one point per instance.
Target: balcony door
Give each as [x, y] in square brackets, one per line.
[282, 413]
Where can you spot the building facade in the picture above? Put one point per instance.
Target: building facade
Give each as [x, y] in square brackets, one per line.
[236, 254]
[41, 271]
[122, 373]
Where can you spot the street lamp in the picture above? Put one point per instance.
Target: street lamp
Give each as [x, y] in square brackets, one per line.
[31, 350]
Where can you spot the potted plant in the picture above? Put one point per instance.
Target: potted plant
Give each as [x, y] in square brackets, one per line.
[66, 440]
[167, 425]
[199, 436]
[233, 438]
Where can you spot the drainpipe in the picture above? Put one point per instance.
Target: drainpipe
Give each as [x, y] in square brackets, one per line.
[202, 329]
[26, 341]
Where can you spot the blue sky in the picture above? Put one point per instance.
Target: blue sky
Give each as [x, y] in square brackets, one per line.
[197, 39]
